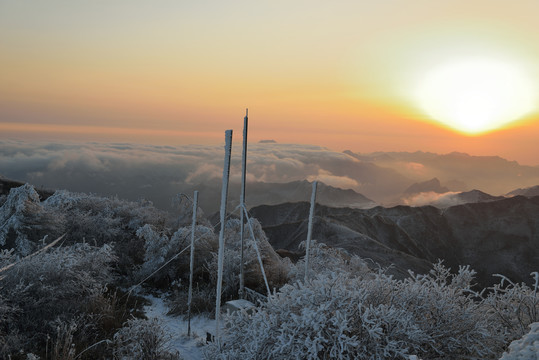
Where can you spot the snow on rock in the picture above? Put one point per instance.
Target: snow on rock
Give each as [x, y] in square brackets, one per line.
[19, 205]
[190, 348]
[526, 348]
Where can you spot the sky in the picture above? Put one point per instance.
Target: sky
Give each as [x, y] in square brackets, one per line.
[340, 74]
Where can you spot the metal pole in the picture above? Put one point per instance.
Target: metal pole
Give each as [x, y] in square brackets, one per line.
[242, 200]
[221, 255]
[257, 251]
[192, 262]
[310, 230]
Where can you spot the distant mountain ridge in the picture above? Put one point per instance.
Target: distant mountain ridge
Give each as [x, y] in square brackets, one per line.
[456, 171]
[500, 236]
[529, 192]
[426, 186]
[261, 193]
[466, 197]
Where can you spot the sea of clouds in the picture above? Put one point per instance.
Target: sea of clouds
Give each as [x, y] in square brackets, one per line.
[159, 173]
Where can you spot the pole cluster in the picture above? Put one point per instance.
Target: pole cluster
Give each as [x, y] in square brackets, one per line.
[244, 218]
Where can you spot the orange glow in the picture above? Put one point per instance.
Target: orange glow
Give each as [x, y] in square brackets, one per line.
[340, 75]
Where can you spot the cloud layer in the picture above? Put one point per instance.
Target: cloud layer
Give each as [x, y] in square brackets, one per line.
[158, 173]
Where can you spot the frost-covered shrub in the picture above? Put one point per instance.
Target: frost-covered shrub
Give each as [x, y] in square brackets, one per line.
[143, 339]
[101, 220]
[182, 205]
[106, 220]
[445, 308]
[275, 267]
[203, 299]
[64, 348]
[514, 306]
[8, 339]
[23, 220]
[328, 318]
[326, 259]
[83, 218]
[160, 248]
[56, 285]
[7, 257]
[372, 316]
[526, 348]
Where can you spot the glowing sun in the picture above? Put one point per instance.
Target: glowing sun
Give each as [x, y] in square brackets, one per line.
[475, 95]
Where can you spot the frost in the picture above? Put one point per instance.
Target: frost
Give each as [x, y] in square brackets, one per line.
[20, 214]
[526, 348]
[160, 247]
[101, 219]
[276, 268]
[340, 315]
[143, 339]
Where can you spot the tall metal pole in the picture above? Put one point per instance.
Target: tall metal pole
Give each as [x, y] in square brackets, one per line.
[310, 230]
[221, 255]
[242, 199]
[192, 261]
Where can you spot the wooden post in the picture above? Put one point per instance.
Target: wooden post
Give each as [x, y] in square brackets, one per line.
[221, 255]
[192, 261]
[242, 200]
[310, 230]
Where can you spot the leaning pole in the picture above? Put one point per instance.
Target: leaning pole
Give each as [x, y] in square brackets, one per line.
[310, 230]
[242, 201]
[221, 255]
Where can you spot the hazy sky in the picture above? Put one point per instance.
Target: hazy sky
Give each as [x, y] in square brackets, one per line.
[341, 74]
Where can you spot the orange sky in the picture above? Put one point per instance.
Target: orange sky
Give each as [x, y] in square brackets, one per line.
[338, 74]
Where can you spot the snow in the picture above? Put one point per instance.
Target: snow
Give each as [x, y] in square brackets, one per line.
[526, 348]
[235, 305]
[190, 348]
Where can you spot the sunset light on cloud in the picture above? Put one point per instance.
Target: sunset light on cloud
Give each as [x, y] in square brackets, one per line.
[359, 75]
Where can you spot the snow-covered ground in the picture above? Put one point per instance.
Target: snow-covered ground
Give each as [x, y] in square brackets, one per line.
[190, 348]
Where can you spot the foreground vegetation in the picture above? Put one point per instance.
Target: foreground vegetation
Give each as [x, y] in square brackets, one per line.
[78, 298]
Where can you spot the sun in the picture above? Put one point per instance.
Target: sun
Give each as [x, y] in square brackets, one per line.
[475, 95]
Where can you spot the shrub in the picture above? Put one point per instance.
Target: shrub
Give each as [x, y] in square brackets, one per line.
[343, 316]
[203, 300]
[101, 220]
[143, 339]
[513, 306]
[58, 285]
[325, 259]
[159, 248]
[275, 267]
[24, 220]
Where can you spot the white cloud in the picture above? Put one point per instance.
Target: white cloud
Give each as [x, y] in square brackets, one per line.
[327, 178]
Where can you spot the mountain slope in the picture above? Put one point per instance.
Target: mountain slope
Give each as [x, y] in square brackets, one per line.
[259, 193]
[493, 237]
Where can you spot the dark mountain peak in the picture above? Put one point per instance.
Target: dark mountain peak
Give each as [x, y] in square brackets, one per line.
[477, 196]
[529, 191]
[458, 154]
[432, 185]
